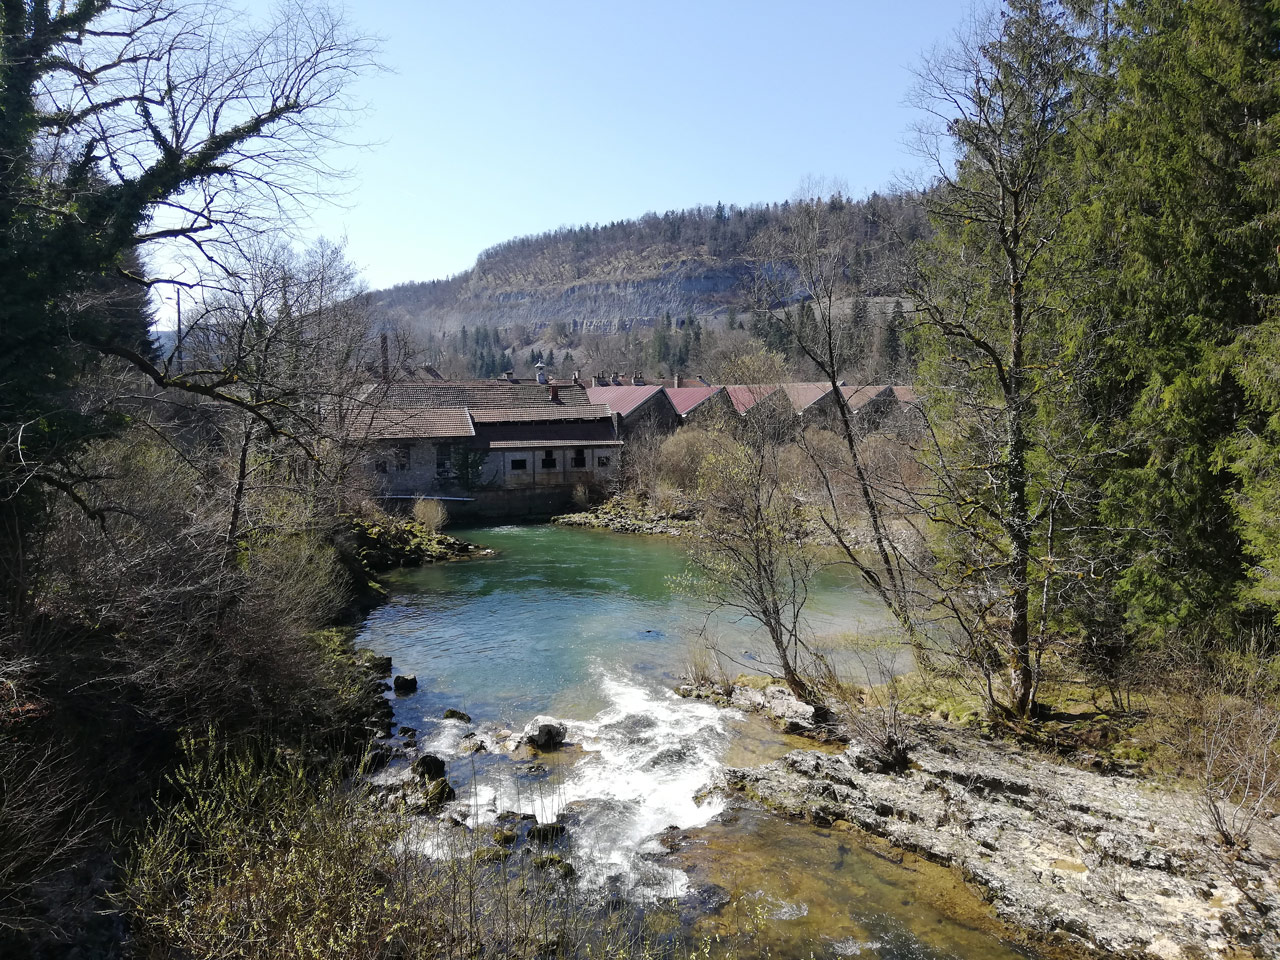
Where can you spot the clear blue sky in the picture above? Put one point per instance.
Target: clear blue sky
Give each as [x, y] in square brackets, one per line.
[499, 119]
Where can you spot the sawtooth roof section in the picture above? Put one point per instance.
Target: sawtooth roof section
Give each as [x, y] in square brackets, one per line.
[418, 423]
[522, 436]
[805, 395]
[622, 400]
[484, 394]
[746, 396]
[859, 397]
[685, 399]
[574, 411]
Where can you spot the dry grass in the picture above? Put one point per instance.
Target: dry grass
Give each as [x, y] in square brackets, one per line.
[431, 515]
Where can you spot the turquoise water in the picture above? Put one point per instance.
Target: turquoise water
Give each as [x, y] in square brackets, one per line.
[533, 629]
[585, 626]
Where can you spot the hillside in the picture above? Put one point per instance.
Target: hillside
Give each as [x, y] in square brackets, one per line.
[602, 279]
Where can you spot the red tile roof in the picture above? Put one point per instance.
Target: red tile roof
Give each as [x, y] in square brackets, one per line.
[685, 399]
[859, 397]
[805, 395]
[622, 400]
[746, 396]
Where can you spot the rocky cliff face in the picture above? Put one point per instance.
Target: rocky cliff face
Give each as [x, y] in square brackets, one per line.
[601, 304]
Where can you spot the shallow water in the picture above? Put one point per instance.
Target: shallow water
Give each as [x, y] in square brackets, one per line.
[585, 626]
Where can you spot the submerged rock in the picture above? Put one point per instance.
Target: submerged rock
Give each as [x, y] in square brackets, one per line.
[545, 832]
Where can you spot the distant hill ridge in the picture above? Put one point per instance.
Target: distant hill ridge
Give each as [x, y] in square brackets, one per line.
[611, 278]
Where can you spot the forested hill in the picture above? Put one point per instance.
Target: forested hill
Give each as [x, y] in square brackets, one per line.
[606, 278]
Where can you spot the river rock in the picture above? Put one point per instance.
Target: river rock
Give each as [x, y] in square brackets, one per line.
[373, 662]
[433, 797]
[452, 714]
[405, 683]
[544, 733]
[428, 767]
[1076, 858]
[545, 832]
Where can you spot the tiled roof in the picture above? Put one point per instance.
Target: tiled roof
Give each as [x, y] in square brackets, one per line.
[685, 399]
[518, 436]
[746, 396]
[577, 411]
[417, 423]
[482, 394]
[805, 395]
[622, 400]
[859, 397]
[905, 394]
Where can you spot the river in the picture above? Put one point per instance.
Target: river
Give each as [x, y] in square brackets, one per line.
[586, 626]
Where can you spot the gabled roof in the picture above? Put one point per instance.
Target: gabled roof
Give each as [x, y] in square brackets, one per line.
[622, 400]
[859, 397]
[746, 396]
[805, 395]
[685, 399]
[905, 394]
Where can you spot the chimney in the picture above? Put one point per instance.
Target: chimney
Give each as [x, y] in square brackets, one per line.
[542, 373]
[508, 375]
[637, 380]
[577, 378]
[555, 393]
[386, 360]
[677, 381]
[617, 380]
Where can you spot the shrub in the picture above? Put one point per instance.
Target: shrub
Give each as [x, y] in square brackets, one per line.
[430, 514]
[683, 453]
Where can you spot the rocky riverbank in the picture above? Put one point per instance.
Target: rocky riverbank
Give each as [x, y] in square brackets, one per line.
[1080, 861]
[627, 514]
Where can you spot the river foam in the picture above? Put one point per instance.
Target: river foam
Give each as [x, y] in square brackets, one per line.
[644, 761]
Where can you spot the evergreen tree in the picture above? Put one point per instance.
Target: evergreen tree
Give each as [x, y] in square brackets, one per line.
[1185, 226]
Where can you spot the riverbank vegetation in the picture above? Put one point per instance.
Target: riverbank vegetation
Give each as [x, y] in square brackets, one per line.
[1073, 526]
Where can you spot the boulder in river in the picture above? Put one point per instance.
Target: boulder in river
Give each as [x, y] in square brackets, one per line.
[428, 767]
[544, 733]
[434, 796]
[405, 683]
[452, 714]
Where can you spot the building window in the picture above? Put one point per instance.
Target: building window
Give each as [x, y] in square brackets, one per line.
[521, 464]
[579, 461]
[379, 466]
[602, 461]
[548, 459]
[444, 452]
[402, 457]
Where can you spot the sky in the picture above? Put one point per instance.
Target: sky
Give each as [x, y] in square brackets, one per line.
[497, 118]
